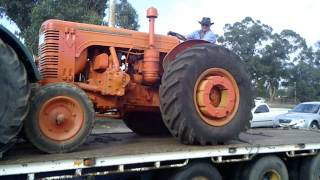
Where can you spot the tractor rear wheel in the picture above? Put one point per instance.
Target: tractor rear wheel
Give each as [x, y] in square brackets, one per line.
[61, 118]
[14, 96]
[205, 95]
[145, 123]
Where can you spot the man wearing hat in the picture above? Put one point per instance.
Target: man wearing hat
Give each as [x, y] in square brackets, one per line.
[205, 33]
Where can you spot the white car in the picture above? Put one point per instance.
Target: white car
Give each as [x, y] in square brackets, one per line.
[263, 115]
[304, 116]
[259, 100]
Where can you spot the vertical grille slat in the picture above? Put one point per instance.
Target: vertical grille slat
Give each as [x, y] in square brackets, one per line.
[49, 54]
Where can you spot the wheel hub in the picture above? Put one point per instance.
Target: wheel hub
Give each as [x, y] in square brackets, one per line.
[216, 96]
[60, 118]
[271, 175]
[200, 178]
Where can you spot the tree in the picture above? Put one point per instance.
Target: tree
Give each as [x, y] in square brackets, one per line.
[317, 55]
[306, 78]
[126, 16]
[278, 55]
[274, 59]
[29, 14]
[246, 38]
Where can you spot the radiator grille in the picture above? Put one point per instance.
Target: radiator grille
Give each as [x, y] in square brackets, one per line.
[49, 54]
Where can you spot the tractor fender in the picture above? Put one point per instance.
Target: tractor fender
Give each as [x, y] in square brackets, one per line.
[171, 56]
[23, 53]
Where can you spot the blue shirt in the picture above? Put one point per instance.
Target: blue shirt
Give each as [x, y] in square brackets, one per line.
[208, 36]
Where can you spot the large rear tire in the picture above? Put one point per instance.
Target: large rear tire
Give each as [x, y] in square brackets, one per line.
[205, 95]
[60, 119]
[14, 96]
[146, 123]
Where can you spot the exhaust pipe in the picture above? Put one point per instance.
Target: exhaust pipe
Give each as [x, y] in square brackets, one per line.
[151, 55]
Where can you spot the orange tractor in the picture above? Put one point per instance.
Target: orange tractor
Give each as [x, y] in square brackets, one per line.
[197, 91]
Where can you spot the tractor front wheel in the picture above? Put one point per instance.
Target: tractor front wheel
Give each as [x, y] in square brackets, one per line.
[60, 119]
[205, 95]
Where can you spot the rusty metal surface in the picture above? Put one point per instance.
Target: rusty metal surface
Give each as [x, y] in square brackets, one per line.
[120, 144]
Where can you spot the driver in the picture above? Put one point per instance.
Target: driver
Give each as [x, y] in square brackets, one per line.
[205, 32]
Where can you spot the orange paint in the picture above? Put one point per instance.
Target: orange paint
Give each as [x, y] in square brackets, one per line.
[117, 68]
[216, 96]
[101, 62]
[60, 118]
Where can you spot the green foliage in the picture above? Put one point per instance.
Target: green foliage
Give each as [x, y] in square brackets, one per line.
[30, 14]
[307, 78]
[275, 59]
[126, 16]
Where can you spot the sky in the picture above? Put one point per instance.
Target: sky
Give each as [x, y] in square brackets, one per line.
[182, 16]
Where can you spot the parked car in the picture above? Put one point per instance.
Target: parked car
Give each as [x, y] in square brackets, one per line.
[305, 115]
[263, 115]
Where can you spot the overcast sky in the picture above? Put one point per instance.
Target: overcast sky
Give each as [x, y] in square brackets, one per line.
[301, 16]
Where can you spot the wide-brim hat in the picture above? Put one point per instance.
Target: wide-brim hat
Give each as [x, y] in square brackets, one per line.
[206, 21]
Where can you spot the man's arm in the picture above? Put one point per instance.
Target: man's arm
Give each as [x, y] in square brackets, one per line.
[193, 35]
[211, 37]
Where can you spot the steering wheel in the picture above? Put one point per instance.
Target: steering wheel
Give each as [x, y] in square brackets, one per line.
[179, 36]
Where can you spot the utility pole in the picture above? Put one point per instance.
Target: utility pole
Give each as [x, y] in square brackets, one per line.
[112, 13]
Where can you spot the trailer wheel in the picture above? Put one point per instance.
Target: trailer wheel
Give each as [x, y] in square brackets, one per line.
[205, 95]
[197, 171]
[60, 119]
[145, 123]
[268, 167]
[14, 96]
[310, 168]
[293, 166]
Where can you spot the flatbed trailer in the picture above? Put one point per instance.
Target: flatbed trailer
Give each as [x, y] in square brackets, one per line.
[119, 153]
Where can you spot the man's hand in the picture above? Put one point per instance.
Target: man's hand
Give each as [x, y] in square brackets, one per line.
[179, 36]
[171, 33]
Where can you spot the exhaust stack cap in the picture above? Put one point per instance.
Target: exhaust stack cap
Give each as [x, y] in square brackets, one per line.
[152, 12]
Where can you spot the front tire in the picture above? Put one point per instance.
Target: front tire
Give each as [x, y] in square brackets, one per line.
[205, 95]
[60, 119]
[314, 125]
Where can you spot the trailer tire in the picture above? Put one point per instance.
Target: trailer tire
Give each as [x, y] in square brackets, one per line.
[268, 166]
[61, 118]
[146, 123]
[14, 96]
[182, 84]
[310, 168]
[197, 171]
[293, 166]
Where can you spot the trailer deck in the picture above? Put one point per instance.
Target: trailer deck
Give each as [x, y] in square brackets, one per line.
[119, 151]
